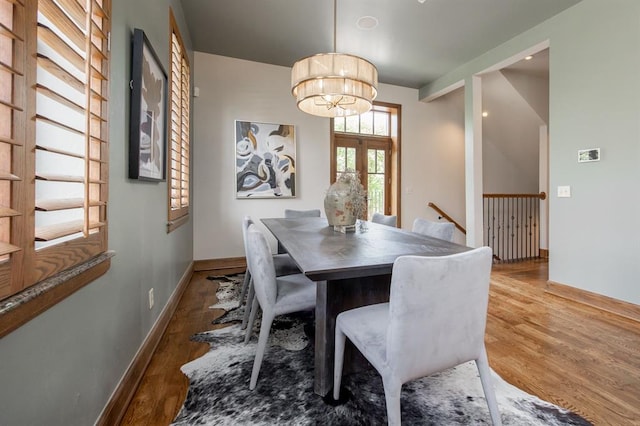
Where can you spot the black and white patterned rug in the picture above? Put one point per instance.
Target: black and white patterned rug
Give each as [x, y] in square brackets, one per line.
[219, 389]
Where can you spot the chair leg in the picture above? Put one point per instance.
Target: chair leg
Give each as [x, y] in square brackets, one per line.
[392, 391]
[245, 286]
[485, 377]
[265, 327]
[252, 318]
[247, 306]
[338, 361]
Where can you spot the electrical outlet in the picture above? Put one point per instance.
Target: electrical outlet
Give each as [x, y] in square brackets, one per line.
[150, 298]
[564, 191]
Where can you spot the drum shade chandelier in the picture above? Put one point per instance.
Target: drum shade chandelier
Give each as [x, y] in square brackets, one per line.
[334, 84]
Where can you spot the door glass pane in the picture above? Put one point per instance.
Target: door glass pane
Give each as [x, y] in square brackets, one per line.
[345, 159]
[351, 159]
[375, 182]
[371, 161]
[341, 158]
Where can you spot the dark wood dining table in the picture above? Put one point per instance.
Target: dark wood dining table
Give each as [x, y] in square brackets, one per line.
[350, 270]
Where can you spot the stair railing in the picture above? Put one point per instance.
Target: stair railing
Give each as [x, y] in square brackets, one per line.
[512, 225]
[443, 215]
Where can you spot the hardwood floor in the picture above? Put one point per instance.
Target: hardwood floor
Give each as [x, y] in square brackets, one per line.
[566, 353]
[163, 388]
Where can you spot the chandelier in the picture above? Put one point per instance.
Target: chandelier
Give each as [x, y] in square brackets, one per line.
[334, 84]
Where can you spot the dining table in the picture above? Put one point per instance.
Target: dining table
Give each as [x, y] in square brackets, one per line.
[350, 270]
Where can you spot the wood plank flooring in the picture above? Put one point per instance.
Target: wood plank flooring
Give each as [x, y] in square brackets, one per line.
[163, 388]
[569, 354]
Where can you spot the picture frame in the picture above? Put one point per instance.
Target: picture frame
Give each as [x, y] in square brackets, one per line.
[148, 116]
[265, 160]
[588, 155]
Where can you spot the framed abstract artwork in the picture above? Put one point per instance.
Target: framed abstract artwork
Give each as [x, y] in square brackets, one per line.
[148, 125]
[265, 160]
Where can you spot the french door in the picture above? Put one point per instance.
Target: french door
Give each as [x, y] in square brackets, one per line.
[371, 158]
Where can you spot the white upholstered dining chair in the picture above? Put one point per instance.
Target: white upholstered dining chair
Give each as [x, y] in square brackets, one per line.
[283, 265]
[435, 319]
[275, 295]
[383, 219]
[442, 230]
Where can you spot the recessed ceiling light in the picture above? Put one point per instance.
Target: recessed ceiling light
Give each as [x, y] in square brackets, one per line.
[528, 58]
[485, 113]
[367, 23]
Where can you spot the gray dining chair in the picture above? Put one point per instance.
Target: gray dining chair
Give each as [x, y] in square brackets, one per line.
[294, 214]
[383, 219]
[442, 230]
[283, 265]
[274, 295]
[435, 319]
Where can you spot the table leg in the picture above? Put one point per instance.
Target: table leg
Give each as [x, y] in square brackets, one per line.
[333, 297]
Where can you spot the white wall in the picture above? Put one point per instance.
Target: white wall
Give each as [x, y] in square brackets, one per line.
[433, 160]
[510, 135]
[231, 89]
[594, 240]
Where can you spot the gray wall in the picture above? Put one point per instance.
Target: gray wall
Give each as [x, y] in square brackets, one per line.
[594, 239]
[61, 367]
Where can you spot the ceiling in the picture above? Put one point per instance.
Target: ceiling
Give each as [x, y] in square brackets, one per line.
[413, 44]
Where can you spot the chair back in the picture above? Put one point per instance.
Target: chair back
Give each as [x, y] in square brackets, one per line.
[261, 266]
[292, 214]
[384, 219]
[442, 230]
[437, 312]
[246, 222]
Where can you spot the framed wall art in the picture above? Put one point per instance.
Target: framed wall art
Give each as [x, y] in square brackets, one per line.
[148, 125]
[265, 160]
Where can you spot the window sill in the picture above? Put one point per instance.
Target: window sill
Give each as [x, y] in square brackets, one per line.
[174, 224]
[22, 307]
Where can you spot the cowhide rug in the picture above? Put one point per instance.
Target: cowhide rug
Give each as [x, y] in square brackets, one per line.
[219, 388]
[228, 294]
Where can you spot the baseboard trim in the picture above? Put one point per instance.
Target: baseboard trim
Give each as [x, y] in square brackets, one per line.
[116, 407]
[598, 301]
[544, 253]
[229, 265]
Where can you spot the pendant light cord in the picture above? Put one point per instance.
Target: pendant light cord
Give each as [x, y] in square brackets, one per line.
[335, 25]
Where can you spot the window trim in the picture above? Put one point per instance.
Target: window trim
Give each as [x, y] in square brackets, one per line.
[20, 308]
[396, 176]
[179, 216]
[39, 279]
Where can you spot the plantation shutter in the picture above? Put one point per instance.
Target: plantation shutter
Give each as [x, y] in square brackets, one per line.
[12, 143]
[53, 132]
[71, 134]
[179, 127]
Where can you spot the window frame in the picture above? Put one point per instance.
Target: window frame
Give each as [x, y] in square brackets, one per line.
[393, 202]
[178, 182]
[39, 278]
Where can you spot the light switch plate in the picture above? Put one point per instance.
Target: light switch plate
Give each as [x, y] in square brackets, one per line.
[564, 191]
